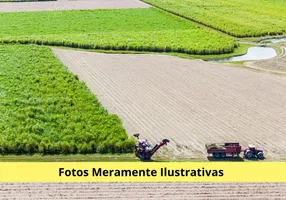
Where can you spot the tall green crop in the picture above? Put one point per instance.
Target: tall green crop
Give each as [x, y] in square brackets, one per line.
[121, 29]
[45, 109]
[241, 18]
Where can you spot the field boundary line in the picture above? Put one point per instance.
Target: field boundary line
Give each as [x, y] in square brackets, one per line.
[192, 20]
[250, 65]
[143, 49]
[200, 23]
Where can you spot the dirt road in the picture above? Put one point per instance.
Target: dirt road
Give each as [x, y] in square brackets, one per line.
[71, 5]
[190, 102]
[202, 191]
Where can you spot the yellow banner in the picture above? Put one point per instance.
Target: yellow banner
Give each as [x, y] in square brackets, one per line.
[143, 172]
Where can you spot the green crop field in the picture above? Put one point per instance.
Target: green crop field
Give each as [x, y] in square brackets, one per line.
[46, 109]
[124, 29]
[240, 18]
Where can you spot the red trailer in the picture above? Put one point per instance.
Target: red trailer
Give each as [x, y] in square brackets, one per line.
[223, 150]
[233, 149]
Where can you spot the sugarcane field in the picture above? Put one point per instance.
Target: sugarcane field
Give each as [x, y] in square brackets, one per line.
[143, 81]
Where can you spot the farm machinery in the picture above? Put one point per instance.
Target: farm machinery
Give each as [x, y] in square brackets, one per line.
[143, 149]
[234, 149]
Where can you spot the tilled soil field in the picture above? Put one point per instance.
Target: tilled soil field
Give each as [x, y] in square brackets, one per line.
[276, 64]
[190, 102]
[203, 191]
[71, 5]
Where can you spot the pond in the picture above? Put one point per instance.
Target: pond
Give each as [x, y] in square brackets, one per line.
[278, 40]
[253, 53]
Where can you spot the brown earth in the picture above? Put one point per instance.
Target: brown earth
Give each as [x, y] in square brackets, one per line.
[188, 101]
[71, 5]
[276, 64]
[202, 191]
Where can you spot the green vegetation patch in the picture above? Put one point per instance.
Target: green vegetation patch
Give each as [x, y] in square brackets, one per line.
[46, 109]
[240, 18]
[70, 158]
[120, 29]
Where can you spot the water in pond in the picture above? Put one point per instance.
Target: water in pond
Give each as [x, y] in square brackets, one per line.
[253, 53]
[274, 40]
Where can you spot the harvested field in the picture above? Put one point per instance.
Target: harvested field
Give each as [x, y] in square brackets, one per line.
[71, 5]
[188, 191]
[190, 102]
[276, 64]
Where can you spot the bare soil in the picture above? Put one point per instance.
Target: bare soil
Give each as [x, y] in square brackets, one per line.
[202, 191]
[71, 5]
[190, 102]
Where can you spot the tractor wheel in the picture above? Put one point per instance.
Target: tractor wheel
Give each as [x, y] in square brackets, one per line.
[216, 155]
[142, 157]
[223, 155]
[249, 155]
[260, 155]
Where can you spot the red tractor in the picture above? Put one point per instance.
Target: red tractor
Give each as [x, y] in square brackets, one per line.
[251, 152]
[233, 148]
[143, 149]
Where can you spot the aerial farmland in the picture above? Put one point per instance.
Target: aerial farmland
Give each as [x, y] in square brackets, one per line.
[81, 77]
